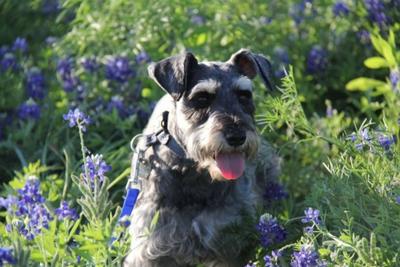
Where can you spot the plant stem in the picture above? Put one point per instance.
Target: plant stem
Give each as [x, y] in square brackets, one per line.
[83, 150]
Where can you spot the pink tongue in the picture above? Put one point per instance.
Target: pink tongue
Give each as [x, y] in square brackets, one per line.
[231, 165]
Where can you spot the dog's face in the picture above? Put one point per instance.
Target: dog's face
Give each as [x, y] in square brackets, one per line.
[214, 108]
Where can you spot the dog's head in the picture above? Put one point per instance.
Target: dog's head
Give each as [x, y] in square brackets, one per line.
[214, 108]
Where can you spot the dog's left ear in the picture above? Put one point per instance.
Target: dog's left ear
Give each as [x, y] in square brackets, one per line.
[250, 64]
[172, 74]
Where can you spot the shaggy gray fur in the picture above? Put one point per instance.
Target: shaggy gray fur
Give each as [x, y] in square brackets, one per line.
[195, 203]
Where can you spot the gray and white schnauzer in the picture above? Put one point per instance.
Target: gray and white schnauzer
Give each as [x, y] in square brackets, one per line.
[218, 178]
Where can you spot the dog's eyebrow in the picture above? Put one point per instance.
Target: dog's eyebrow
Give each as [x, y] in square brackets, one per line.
[209, 86]
[243, 83]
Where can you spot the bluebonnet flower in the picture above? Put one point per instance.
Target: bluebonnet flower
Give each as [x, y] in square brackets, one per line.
[119, 69]
[352, 137]
[312, 215]
[9, 202]
[29, 110]
[364, 36]
[329, 111]
[35, 84]
[4, 50]
[395, 3]
[65, 212]
[51, 7]
[306, 257]
[386, 141]
[250, 264]
[77, 118]
[31, 215]
[274, 191]
[365, 135]
[340, 9]
[96, 167]
[309, 229]
[298, 11]
[398, 200]
[8, 62]
[90, 64]
[317, 60]
[142, 57]
[50, 40]
[359, 146]
[142, 116]
[265, 20]
[395, 79]
[6, 256]
[376, 12]
[197, 20]
[66, 74]
[117, 103]
[81, 92]
[270, 231]
[272, 261]
[20, 44]
[282, 55]
[30, 193]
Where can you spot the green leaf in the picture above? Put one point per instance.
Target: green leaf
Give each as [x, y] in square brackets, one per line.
[201, 39]
[345, 238]
[154, 221]
[324, 252]
[387, 53]
[392, 38]
[376, 63]
[363, 84]
[147, 93]
[377, 44]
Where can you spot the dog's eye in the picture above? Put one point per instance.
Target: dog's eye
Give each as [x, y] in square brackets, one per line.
[202, 99]
[244, 96]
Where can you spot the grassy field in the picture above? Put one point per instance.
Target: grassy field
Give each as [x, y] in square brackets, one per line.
[74, 90]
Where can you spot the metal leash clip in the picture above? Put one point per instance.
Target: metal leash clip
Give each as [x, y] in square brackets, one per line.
[140, 168]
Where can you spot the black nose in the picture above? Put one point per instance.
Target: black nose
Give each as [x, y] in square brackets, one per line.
[235, 137]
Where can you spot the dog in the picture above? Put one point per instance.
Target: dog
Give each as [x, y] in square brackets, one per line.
[213, 174]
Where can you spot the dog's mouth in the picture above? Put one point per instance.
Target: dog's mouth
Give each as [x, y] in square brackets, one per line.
[230, 164]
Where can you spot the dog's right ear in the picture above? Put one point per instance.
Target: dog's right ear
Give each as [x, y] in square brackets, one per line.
[172, 73]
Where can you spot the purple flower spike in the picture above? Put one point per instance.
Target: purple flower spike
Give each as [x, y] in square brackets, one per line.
[29, 211]
[29, 110]
[395, 79]
[119, 69]
[8, 62]
[142, 57]
[35, 84]
[97, 168]
[376, 12]
[272, 261]
[65, 212]
[90, 64]
[306, 257]
[65, 71]
[20, 44]
[6, 256]
[317, 61]
[312, 215]
[270, 231]
[77, 118]
[340, 9]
